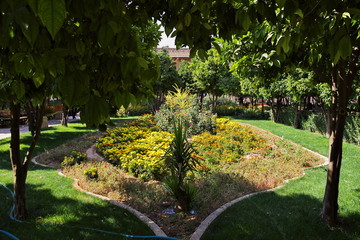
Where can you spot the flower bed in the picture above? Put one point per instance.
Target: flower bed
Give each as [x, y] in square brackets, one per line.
[235, 161]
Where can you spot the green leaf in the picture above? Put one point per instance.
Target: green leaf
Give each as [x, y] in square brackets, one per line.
[277, 63]
[52, 14]
[29, 25]
[123, 99]
[345, 47]
[80, 47]
[39, 78]
[207, 26]
[168, 31]
[34, 6]
[105, 35]
[19, 89]
[355, 11]
[245, 21]
[187, 19]
[142, 62]
[280, 3]
[179, 27]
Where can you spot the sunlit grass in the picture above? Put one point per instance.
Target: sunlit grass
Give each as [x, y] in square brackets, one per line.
[293, 212]
[53, 200]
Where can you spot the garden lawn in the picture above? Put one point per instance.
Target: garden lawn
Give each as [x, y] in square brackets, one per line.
[56, 209]
[293, 211]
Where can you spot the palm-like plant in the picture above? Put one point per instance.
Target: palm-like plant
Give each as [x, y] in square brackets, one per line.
[180, 160]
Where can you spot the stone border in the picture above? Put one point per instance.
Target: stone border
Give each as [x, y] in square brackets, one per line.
[150, 223]
[92, 154]
[209, 219]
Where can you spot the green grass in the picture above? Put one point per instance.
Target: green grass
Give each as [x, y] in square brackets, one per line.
[53, 200]
[293, 212]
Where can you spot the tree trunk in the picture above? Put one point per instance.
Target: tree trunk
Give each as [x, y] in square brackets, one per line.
[20, 174]
[20, 168]
[297, 117]
[30, 112]
[341, 88]
[64, 115]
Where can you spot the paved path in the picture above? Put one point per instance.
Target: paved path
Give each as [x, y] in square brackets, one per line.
[5, 132]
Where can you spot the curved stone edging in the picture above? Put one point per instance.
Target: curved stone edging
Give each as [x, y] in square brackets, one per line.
[92, 154]
[209, 219]
[150, 223]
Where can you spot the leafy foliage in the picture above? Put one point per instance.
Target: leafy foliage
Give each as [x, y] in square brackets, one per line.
[137, 148]
[74, 158]
[180, 160]
[182, 106]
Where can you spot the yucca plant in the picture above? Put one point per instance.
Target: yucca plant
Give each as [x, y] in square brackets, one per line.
[180, 160]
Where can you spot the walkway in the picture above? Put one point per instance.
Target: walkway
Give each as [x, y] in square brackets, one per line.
[5, 132]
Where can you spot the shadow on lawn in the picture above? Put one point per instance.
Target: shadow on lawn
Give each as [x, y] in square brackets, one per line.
[47, 141]
[67, 216]
[271, 216]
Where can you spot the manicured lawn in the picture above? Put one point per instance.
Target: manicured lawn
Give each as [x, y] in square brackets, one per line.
[53, 200]
[292, 212]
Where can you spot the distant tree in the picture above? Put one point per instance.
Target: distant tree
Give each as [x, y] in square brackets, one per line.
[169, 77]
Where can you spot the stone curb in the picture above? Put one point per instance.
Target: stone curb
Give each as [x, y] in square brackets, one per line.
[150, 223]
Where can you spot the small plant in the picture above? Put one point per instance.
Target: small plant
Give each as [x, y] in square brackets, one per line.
[74, 158]
[179, 158]
[182, 106]
[91, 173]
[121, 112]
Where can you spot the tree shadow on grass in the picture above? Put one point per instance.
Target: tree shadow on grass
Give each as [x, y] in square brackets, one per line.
[47, 141]
[55, 215]
[271, 216]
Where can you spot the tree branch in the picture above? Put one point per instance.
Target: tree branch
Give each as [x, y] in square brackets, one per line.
[39, 119]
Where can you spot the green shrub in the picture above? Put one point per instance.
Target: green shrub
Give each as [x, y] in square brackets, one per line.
[137, 148]
[180, 160]
[121, 112]
[182, 106]
[91, 173]
[228, 145]
[74, 158]
[250, 113]
[229, 110]
[138, 110]
[352, 130]
[315, 123]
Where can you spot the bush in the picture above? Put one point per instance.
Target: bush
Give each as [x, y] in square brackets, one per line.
[74, 158]
[121, 112]
[256, 113]
[229, 144]
[138, 110]
[137, 148]
[229, 110]
[182, 106]
[315, 123]
[180, 160]
[352, 130]
[91, 173]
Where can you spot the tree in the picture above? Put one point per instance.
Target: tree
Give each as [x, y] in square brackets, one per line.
[321, 36]
[106, 56]
[210, 76]
[169, 77]
[36, 43]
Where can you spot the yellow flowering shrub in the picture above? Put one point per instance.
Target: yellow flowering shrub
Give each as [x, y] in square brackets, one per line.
[229, 144]
[137, 148]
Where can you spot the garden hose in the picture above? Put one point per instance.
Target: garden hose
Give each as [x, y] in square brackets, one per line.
[11, 216]
[9, 234]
